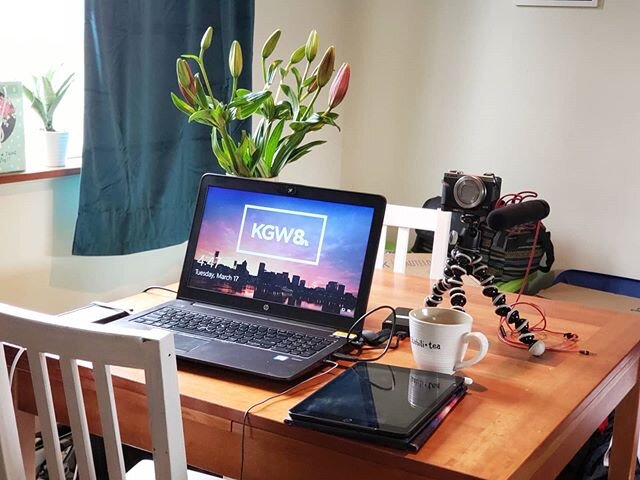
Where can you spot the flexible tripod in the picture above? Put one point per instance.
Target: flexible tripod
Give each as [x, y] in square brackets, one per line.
[465, 259]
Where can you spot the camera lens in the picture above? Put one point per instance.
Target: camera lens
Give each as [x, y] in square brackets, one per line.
[469, 191]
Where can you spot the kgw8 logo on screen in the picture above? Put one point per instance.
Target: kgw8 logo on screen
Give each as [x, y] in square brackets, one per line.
[282, 234]
[275, 233]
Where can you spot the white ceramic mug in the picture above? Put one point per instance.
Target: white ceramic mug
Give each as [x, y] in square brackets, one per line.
[439, 339]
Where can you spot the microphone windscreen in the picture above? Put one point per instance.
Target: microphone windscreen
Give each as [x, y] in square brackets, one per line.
[517, 214]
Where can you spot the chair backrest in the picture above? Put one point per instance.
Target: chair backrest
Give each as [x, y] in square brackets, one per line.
[406, 218]
[103, 346]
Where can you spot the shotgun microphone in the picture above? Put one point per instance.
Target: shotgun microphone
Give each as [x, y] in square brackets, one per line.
[526, 212]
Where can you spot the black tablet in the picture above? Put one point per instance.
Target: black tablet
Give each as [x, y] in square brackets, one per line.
[381, 399]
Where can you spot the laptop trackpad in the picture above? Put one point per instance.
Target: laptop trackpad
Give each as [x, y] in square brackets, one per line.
[185, 344]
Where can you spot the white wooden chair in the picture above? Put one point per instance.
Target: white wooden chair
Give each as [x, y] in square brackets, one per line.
[406, 218]
[103, 346]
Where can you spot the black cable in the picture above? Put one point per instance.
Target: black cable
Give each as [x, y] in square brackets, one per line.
[246, 412]
[156, 287]
[356, 358]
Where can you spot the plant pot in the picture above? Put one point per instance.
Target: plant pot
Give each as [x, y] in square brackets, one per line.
[55, 148]
[270, 179]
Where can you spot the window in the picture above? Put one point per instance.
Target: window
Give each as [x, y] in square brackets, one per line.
[37, 35]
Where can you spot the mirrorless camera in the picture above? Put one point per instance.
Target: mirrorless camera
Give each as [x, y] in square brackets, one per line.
[470, 194]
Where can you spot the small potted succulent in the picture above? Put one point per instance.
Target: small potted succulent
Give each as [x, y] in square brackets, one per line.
[45, 99]
[285, 117]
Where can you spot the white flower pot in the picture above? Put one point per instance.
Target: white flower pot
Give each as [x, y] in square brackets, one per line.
[55, 148]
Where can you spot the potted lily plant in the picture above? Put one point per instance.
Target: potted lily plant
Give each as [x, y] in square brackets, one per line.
[45, 98]
[285, 106]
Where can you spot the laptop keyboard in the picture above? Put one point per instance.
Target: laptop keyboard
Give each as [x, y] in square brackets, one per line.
[221, 328]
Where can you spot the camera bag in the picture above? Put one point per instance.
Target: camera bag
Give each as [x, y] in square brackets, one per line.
[507, 253]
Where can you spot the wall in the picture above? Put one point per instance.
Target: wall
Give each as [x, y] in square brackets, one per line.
[547, 98]
[323, 166]
[37, 269]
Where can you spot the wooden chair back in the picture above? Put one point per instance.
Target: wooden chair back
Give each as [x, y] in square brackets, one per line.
[406, 218]
[103, 346]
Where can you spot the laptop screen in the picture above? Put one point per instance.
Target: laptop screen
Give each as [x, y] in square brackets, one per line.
[280, 249]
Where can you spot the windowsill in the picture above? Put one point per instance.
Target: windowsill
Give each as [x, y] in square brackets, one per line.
[40, 172]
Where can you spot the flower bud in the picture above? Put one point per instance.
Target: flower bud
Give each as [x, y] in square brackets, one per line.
[313, 86]
[325, 69]
[297, 55]
[185, 77]
[311, 48]
[186, 82]
[206, 39]
[270, 45]
[339, 86]
[235, 59]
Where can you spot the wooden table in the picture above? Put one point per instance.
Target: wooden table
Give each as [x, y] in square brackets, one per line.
[523, 417]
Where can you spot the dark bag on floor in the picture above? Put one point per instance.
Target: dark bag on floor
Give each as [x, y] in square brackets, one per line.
[506, 253]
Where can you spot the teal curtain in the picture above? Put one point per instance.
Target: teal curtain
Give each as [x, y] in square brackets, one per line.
[142, 161]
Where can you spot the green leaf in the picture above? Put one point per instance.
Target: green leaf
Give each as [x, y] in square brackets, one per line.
[36, 104]
[201, 97]
[63, 88]
[268, 109]
[314, 118]
[298, 126]
[284, 151]
[250, 97]
[331, 122]
[250, 103]
[49, 94]
[293, 97]
[309, 81]
[181, 105]
[313, 123]
[221, 155]
[57, 99]
[28, 93]
[245, 150]
[258, 135]
[303, 150]
[202, 116]
[284, 111]
[272, 144]
[230, 148]
[271, 72]
[245, 111]
[296, 73]
[241, 92]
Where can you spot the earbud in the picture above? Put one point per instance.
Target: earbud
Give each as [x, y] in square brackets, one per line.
[537, 348]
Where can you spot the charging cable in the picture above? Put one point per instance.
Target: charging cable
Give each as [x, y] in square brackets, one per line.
[245, 417]
[158, 287]
[357, 358]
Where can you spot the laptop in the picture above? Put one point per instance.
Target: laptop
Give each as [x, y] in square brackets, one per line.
[272, 275]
